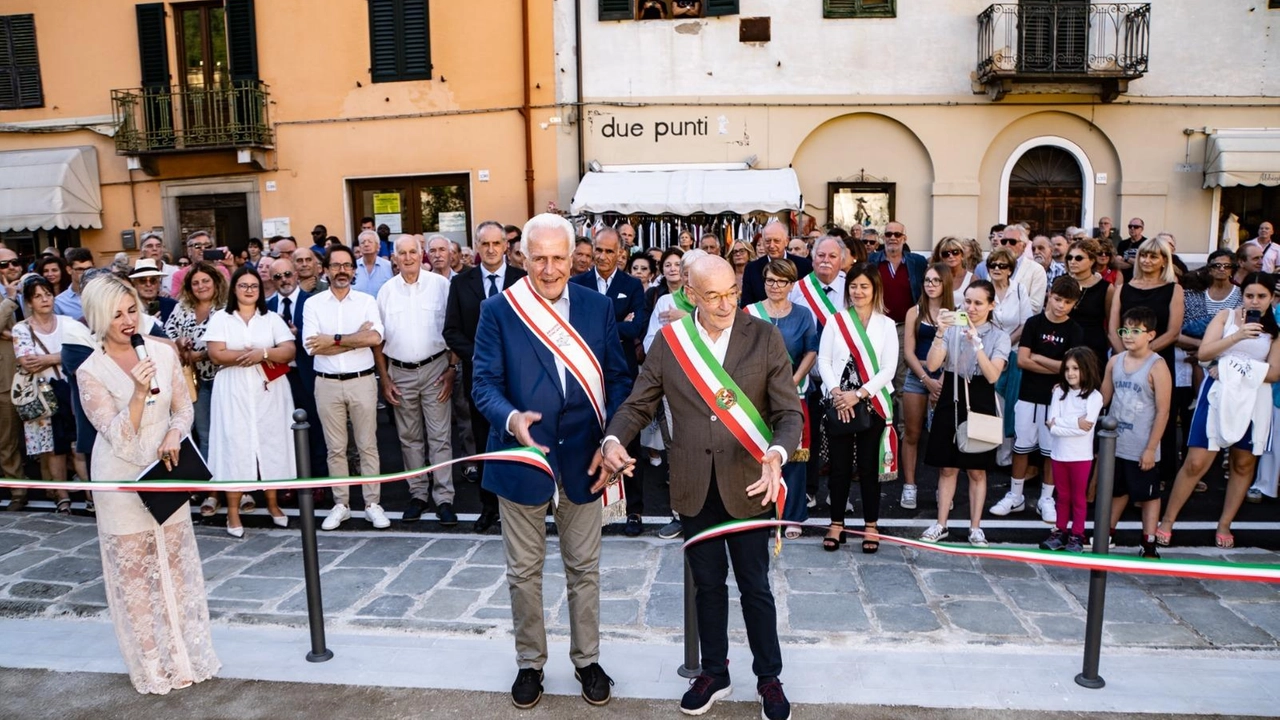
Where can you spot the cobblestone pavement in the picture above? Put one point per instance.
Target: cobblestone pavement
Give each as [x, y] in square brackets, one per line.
[50, 567]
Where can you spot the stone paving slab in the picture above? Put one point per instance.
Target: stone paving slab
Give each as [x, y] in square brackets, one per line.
[49, 567]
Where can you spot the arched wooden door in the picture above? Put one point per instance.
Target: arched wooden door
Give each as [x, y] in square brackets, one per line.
[1046, 190]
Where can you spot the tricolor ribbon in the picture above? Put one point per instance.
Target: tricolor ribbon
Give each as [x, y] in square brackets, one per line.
[527, 455]
[1197, 569]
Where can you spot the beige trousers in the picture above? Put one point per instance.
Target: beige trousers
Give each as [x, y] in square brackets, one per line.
[419, 409]
[357, 400]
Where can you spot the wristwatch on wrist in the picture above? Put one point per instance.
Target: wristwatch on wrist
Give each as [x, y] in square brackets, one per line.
[337, 340]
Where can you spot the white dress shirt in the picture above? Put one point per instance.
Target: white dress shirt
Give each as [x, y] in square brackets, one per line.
[837, 294]
[501, 273]
[413, 316]
[602, 283]
[325, 314]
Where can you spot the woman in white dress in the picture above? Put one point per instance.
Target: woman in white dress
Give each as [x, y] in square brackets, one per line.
[249, 436]
[151, 571]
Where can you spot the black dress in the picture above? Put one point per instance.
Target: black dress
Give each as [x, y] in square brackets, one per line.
[1160, 301]
[1090, 313]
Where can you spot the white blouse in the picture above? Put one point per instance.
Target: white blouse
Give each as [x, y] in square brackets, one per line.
[833, 353]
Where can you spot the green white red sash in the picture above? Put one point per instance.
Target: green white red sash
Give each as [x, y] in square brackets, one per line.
[718, 390]
[561, 339]
[855, 337]
[757, 310]
[682, 301]
[816, 299]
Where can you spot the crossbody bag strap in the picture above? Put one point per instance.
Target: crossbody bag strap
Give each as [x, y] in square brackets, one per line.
[31, 329]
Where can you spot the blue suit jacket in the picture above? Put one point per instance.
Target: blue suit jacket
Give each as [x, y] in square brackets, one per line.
[514, 371]
[917, 265]
[628, 299]
[306, 364]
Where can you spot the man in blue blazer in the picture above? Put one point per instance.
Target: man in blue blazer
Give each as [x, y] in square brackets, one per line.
[289, 300]
[774, 237]
[532, 397]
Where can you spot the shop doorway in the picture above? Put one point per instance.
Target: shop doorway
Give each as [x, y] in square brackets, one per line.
[226, 216]
[1046, 190]
[418, 205]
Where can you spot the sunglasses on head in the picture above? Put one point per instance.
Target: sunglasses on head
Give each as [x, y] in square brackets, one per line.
[891, 234]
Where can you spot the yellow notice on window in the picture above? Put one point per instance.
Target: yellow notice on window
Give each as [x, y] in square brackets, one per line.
[386, 203]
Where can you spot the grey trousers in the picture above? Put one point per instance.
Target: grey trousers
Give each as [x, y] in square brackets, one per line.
[357, 399]
[524, 537]
[419, 409]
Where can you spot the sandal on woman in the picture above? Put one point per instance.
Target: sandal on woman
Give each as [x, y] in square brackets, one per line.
[831, 544]
[1202, 486]
[871, 541]
[247, 505]
[1226, 541]
[209, 507]
[1164, 537]
[64, 507]
[792, 532]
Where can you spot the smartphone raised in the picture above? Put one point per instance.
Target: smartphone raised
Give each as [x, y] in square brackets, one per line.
[961, 318]
[1253, 316]
[213, 255]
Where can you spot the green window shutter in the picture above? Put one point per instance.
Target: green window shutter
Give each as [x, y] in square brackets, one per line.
[19, 64]
[399, 40]
[616, 10]
[716, 8]
[242, 41]
[415, 35]
[153, 45]
[859, 8]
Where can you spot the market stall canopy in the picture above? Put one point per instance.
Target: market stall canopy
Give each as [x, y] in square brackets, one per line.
[1242, 157]
[50, 188]
[685, 192]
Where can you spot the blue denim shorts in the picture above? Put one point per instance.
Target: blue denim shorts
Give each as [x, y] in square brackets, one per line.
[913, 386]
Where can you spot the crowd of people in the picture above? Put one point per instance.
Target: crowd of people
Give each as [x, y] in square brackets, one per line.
[606, 355]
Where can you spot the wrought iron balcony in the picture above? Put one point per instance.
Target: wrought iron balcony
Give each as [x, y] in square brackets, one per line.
[1057, 41]
[188, 118]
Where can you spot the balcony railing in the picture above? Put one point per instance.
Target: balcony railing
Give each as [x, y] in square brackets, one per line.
[1063, 42]
[176, 119]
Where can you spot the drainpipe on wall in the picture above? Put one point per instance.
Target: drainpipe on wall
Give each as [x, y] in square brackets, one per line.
[528, 111]
[577, 51]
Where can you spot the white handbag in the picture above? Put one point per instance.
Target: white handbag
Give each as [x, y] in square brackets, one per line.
[979, 432]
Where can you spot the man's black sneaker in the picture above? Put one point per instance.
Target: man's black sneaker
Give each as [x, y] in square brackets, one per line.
[413, 513]
[703, 692]
[527, 690]
[446, 515]
[595, 684]
[773, 702]
[471, 474]
[634, 526]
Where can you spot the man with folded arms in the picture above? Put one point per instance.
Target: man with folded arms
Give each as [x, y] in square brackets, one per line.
[417, 375]
[549, 372]
[339, 328]
[735, 420]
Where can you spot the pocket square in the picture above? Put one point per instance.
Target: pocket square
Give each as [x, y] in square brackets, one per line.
[621, 295]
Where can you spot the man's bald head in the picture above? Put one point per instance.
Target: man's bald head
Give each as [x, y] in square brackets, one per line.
[710, 270]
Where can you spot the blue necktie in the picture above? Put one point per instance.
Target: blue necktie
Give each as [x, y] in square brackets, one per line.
[493, 285]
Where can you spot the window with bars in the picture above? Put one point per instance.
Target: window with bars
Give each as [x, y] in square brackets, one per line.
[859, 8]
[399, 40]
[19, 63]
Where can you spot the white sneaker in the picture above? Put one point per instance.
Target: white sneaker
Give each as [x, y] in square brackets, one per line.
[338, 515]
[935, 533]
[908, 500]
[1009, 503]
[977, 538]
[1048, 510]
[373, 513]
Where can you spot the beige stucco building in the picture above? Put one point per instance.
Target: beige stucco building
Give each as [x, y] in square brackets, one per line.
[959, 113]
[260, 118]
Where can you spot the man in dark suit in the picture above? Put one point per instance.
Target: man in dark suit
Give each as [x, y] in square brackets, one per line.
[549, 372]
[289, 300]
[774, 237]
[461, 316]
[632, 316]
[714, 476]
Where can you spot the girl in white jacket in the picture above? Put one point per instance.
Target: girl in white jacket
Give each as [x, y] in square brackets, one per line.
[1073, 415]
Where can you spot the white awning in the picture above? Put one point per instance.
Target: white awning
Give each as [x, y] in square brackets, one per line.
[50, 188]
[1242, 157]
[685, 192]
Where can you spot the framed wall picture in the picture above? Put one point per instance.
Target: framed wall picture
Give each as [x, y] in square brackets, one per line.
[865, 204]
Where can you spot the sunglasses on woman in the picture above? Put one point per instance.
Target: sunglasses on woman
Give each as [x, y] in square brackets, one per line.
[950, 253]
[998, 266]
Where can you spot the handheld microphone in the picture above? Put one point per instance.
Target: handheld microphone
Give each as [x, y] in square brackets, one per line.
[140, 350]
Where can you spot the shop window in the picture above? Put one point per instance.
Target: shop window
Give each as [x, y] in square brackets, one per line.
[399, 40]
[19, 63]
[665, 9]
[1243, 208]
[859, 8]
[424, 205]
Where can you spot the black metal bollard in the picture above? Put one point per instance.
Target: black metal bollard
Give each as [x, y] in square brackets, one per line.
[310, 556]
[692, 662]
[1088, 676]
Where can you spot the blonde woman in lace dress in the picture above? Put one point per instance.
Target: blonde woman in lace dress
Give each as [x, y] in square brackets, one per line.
[152, 573]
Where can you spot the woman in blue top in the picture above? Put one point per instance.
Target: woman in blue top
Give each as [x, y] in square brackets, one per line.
[800, 333]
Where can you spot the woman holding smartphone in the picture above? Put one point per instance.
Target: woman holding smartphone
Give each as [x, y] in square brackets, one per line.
[1248, 333]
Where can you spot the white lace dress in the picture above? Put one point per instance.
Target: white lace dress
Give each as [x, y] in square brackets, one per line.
[152, 573]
